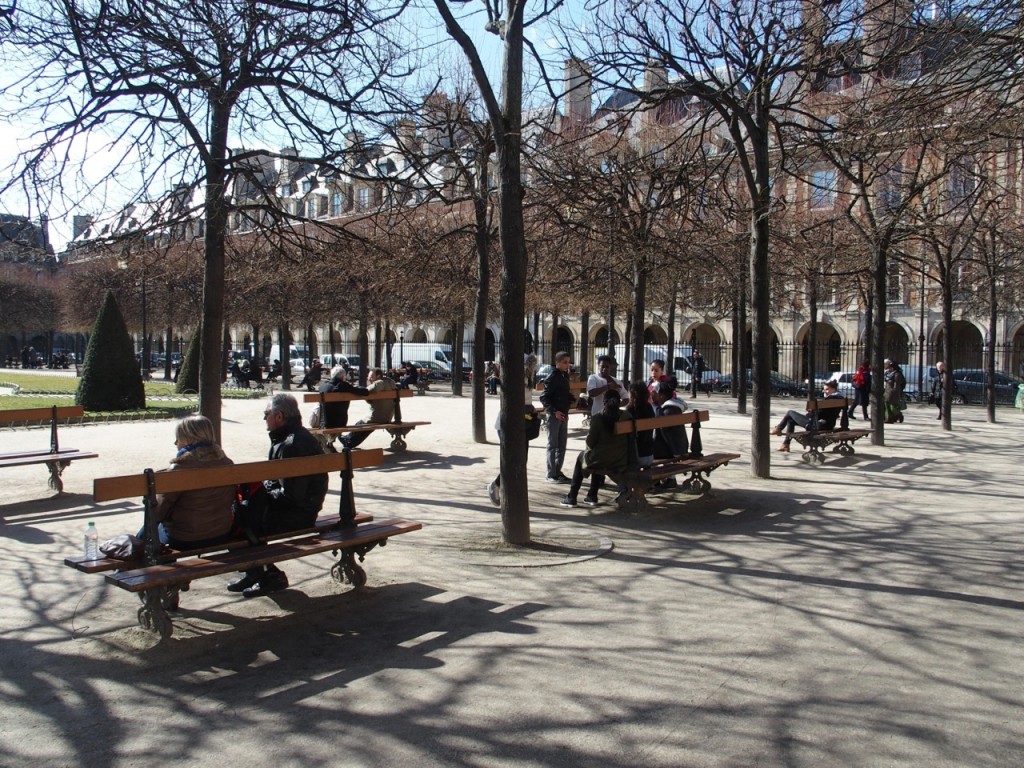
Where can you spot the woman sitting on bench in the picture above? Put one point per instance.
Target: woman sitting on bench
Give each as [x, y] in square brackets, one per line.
[202, 518]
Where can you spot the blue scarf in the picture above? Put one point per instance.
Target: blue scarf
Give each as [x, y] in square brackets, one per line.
[191, 447]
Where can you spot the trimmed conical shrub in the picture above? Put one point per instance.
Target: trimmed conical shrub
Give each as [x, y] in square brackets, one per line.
[111, 380]
[188, 376]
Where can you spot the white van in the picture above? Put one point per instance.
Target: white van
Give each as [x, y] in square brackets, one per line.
[297, 355]
[423, 352]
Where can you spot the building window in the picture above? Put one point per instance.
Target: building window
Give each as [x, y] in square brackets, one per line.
[363, 198]
[311, 210]
[337, 203]
[894, 283]
[823, 188]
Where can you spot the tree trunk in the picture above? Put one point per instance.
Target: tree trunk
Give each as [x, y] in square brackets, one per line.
[515, 501]
[483, 298]
[879, 269]
[211, 352]
[639, 363]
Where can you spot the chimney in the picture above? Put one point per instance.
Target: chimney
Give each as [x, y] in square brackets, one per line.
[577, 92]
[79, 225]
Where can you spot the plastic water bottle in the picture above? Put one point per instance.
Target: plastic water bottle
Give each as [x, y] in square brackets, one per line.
[92, 541]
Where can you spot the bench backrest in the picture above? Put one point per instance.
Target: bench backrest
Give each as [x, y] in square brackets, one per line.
[54, 413]
[630, 426]
[348, 397]
[829, 404]
[125, 486]
[574, 386]
[41, 414]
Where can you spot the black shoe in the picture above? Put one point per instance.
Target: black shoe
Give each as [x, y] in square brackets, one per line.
[273, 581]
[568, 501]
[563, 480]
[243, 583]
[590, 501]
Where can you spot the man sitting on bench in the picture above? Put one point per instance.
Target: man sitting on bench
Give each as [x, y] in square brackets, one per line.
[282, 505]
[826, 419]
[381, 411]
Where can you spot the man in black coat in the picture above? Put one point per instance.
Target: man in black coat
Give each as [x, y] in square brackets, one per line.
[286, 504]
[557, 399]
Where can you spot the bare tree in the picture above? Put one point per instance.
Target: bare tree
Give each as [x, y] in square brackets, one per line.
[167, 84]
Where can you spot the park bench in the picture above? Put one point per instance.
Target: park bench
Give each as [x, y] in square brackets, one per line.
[639, 481]
[158, 574]
[56, 458]
[397, 428]
[577, 388]
[841, 438]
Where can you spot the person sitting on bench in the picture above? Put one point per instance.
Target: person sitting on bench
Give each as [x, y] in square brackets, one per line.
[826, 419]
[381, 411]
[336, 414]
[201, 518]
[606, 453]
[281, 505]
[669, 442]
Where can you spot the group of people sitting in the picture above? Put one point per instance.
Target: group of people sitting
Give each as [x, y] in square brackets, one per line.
[608, 453]
[212, 516]
[209, 517]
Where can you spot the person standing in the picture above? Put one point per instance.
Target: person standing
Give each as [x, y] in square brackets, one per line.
[602, 382]
[657, 375]
[895, 382]
[606, 453]
[285, 504]
[557, 400]
[861, 389]
[699, 367]
[939, 384]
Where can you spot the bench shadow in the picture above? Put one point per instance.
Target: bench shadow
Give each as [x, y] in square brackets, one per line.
[273, 665]
[421, 460]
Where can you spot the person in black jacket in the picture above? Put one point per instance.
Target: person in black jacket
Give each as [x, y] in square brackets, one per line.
[282, 505]
[826, 419]
[557, 399]
[336, 414]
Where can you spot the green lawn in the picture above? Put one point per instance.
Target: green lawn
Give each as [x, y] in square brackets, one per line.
[162, 402]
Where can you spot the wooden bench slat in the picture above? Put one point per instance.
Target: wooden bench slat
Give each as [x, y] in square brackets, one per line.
[829, 404]
[10, 416]
[343, 397]
[670, 420]
[38, 452]
[201, 567]
[101, 565]
[45, 458]
[110, 488]
[369, 427]
[679, 466]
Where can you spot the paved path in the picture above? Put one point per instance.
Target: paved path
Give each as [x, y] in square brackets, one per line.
[864, 613]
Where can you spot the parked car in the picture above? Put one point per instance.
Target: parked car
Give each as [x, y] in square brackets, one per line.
[432, 370]
[969, 383]
[782, 385]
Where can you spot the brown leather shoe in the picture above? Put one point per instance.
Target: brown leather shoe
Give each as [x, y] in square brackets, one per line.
[776, 432]
[783, 447]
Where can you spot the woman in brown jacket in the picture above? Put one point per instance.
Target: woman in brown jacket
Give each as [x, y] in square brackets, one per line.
[193, 519]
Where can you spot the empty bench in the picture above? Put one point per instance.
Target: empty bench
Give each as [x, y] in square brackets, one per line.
[56, 458]
[397, 428]
[841, 438]
[158, 573]
[639, 481]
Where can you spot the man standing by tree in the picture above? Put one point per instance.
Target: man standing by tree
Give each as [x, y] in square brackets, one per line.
[557, 400]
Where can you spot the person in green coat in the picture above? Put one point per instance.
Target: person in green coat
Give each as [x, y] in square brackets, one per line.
[606, 453]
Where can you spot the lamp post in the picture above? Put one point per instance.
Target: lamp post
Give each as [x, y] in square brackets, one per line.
[401, 347]
[920, 340]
